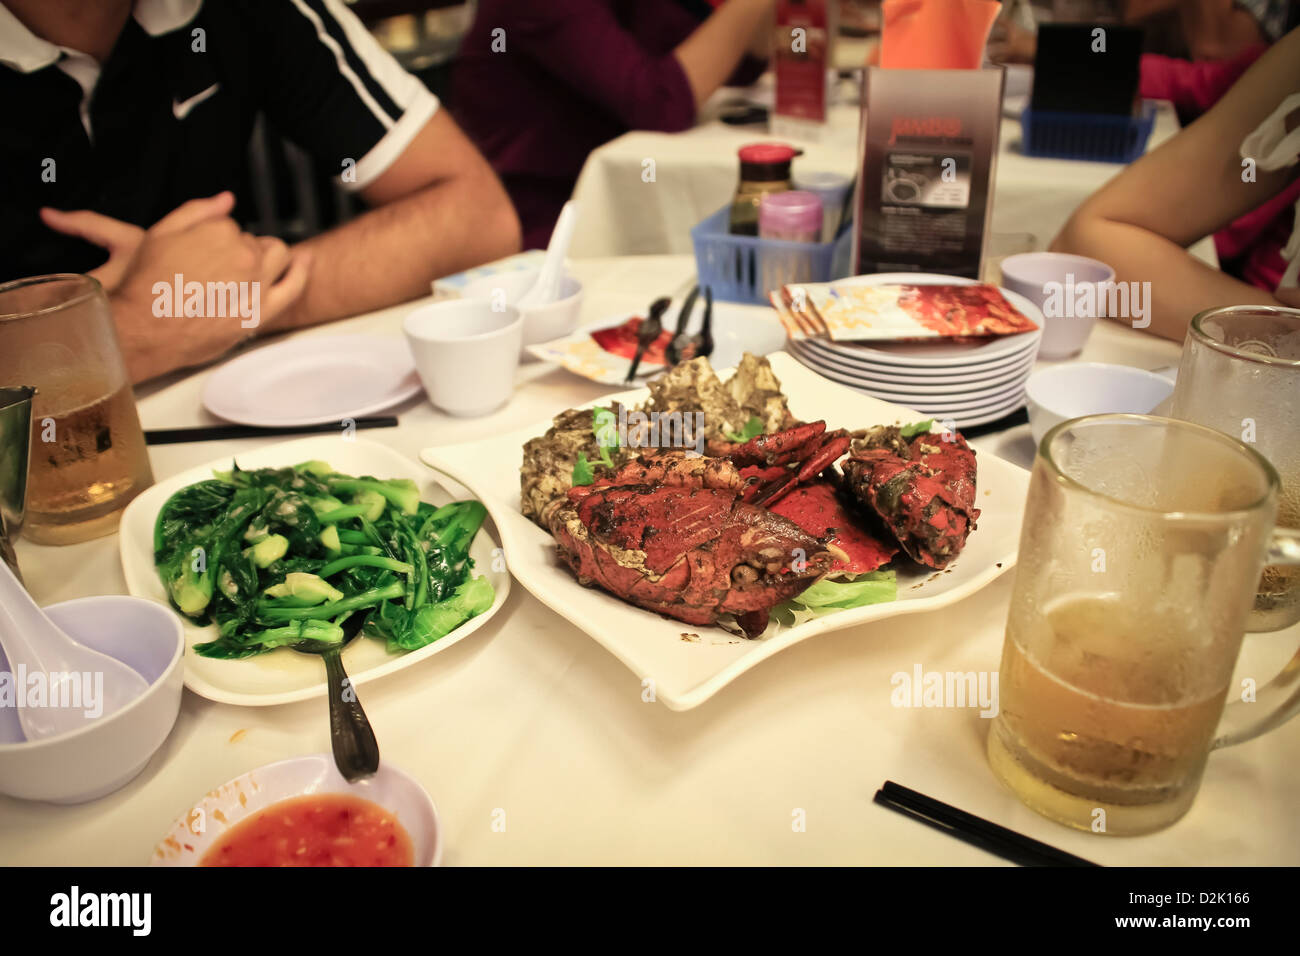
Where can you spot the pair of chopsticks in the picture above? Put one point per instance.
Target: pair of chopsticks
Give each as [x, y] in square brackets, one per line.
[974, 830]
[175, 436]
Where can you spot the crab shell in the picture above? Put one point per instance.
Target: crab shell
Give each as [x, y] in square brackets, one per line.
[923, 490]
[679, 540]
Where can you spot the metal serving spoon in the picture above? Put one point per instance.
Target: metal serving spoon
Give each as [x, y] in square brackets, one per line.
[356, 751]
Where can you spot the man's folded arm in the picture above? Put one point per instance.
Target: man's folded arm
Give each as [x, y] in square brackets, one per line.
[332, 88]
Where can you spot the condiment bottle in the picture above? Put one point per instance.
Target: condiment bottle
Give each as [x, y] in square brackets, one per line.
[794, 216]
[764, 169]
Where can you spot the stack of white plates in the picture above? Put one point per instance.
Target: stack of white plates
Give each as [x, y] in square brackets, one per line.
[970, 383]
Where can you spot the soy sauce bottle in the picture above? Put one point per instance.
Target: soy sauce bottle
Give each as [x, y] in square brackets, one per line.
[764, 169]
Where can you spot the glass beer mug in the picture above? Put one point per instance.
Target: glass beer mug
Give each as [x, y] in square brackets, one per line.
[88, 455]
[1240, 373]
[1142, 545]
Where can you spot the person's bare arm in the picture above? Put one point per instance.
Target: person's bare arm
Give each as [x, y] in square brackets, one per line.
[1217, 29]
[1141, 222]
[441, 209]
[710, 54]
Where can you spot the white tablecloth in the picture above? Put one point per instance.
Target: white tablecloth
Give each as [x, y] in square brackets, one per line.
[695, 175]
[532, 717]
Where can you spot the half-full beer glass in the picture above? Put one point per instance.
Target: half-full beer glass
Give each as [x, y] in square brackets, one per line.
[1142, 544]
[1240, 373]
[88, 457]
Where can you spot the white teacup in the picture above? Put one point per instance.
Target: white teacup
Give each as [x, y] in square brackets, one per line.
[1055, 282]
[466, 352]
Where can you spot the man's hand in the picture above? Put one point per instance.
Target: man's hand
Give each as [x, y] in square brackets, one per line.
[199, 242]
[121, 239]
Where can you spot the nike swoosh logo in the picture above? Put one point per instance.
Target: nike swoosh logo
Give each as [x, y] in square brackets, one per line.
[182, 109]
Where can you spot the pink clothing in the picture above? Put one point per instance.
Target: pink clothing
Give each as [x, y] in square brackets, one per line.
[1257, 238]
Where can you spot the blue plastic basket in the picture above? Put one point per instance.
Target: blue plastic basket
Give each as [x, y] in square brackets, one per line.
[732, 265]
[1098, 137]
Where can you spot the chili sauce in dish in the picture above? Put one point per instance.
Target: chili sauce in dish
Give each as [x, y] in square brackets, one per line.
[324, 829]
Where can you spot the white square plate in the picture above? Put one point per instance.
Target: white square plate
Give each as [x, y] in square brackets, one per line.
[686, 672]
[282, 675]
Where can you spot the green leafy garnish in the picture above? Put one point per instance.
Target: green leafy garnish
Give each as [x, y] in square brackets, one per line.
[606, 431]
[582, 473]
[916, 428]
[753, 428]
[827, 596]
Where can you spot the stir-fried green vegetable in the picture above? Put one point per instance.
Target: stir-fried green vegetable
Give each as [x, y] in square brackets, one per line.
[275, 556]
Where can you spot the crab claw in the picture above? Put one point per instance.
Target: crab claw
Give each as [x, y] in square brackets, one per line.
[764, 457]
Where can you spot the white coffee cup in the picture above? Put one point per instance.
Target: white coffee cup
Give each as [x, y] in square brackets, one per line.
[466, 352]
[1055, 282]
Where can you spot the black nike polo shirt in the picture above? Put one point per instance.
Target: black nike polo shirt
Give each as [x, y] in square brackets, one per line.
[168, 116]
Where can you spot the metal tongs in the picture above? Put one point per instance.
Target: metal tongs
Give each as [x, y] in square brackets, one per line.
[688, 346]
[650, 329]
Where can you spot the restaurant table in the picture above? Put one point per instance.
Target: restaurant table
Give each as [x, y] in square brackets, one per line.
[695, 175]
[531, 718]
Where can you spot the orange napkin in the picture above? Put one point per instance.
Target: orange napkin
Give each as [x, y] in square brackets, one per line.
[935, 34]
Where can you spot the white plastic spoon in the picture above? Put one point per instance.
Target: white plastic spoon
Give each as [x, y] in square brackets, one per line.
[92, 684]
[547, 287]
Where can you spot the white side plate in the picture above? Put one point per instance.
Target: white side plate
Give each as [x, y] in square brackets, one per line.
[688, 672]
[312, 380]
[282, 675]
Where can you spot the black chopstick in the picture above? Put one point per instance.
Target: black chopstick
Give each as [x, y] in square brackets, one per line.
[974, 830]
[174, 436]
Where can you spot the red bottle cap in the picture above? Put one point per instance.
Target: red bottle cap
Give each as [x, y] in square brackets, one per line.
[766, 154]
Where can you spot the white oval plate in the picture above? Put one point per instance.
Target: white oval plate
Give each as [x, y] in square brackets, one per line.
[282, 676]
[941, 374]
[688, 672]
[937, 353]
[968, 418]
[902, 391]
[195, 830]
[920, 399]
[312, 380]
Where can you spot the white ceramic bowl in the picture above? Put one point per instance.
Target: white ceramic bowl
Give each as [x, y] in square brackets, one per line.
[195, 830]
[466, 351]
[104, 755]
[1090, 388]
[1029, 273]
[542, 323]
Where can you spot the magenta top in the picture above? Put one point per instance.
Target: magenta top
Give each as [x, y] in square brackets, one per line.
[573, 74]
[1256, 240]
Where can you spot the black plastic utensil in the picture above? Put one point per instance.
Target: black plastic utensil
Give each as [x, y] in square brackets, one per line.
[649, 330]
[698, 345]
[680, 339]
[356, 751]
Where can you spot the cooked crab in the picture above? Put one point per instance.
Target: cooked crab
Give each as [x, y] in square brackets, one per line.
[671, 533]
